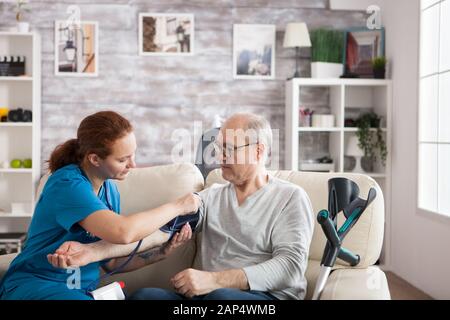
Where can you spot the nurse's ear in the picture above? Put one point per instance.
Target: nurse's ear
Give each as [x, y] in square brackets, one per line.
[94, 159]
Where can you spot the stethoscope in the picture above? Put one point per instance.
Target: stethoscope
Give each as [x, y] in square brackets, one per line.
[108, 202]
[93, 285]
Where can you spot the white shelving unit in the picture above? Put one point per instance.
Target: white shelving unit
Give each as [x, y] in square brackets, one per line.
[16, 79]
[344, 98]
[20, 140]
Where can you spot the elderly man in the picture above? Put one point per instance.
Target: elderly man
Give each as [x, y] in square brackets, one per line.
[256, 229]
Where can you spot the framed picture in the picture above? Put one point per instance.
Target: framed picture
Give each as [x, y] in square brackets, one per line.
[254, 51]
[166, 34]
[76, 49]
[361, 46]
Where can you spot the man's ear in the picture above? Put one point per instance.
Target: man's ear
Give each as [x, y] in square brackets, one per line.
[261, 148]
[94, 159]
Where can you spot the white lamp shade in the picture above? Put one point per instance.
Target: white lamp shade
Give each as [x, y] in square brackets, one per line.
[296, 35]
[352, 148]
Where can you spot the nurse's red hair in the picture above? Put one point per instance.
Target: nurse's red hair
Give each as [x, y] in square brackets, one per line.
[96, 134]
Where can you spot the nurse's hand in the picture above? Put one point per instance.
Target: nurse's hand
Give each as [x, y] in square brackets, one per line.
[189, 203]
[177, 240]
[71, 254]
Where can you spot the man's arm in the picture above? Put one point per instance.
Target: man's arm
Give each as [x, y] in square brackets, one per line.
[232, 278]
[191, 282]
[291, 238]
[202, 208]
[153, 255]
[73, 253]
[105, 250]
[140, 260]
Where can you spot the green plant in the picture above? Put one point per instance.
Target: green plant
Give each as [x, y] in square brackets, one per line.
[327, 45]
[379, 63]
[369, 140]
[21, 8]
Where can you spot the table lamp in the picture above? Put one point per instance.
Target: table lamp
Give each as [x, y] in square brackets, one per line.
[296, 36]
[353, 150]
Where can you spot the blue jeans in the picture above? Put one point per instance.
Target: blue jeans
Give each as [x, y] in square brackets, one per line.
[218, 294]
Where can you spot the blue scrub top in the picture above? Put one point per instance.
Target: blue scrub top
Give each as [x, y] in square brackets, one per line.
[68, 197]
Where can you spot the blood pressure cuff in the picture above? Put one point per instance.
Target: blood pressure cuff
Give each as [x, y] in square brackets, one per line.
[175, 225]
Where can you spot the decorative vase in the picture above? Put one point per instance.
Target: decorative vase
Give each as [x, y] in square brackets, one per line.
[375, 122]
[349, 163]
[379, 73]
[326, 70]
[367, 164]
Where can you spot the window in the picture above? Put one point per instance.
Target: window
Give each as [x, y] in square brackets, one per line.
[434, 107]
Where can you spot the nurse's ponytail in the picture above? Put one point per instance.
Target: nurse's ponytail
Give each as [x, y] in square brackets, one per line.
[96, 134]
[64, 154]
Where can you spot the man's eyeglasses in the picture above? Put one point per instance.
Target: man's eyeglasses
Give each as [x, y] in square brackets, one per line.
[229, 151]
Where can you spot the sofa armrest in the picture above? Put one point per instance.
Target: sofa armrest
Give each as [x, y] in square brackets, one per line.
[357, 284]
[5, 261]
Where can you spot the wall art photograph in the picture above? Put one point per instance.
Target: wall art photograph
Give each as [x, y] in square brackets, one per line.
[362, 45]
[76, 48]
[166, 34]
[253, 51]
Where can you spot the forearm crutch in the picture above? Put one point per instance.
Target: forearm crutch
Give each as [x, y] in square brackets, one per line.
[343, 196]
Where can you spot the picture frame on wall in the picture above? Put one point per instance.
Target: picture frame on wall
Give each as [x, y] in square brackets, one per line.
[254, 51]
[362, 45]
[166, 34]
[76, 48]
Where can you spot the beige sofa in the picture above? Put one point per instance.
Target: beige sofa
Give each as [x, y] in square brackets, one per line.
[153, 186]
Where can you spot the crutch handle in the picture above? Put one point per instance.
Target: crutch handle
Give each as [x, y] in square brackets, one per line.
[349, 257]
[323, 217]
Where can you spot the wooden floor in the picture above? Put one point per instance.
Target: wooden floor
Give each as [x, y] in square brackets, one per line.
[402, 290]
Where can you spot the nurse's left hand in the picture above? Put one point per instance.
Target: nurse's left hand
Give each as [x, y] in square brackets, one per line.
[178, 239]
[71, 254]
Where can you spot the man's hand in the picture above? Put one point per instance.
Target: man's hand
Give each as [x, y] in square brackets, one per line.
[191, 282]
[177, 240]
[72, 254]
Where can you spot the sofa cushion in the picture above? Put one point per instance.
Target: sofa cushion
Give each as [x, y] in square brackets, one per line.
[5, 261]
[356, 284]
[366, 237]
[312, 273]
[151, 187]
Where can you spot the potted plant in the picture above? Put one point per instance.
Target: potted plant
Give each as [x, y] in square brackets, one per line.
[326, 53]
[21, 8]
[370, 140]
[379, 67]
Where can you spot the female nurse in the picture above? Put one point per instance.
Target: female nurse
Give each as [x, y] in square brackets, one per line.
[81, 203]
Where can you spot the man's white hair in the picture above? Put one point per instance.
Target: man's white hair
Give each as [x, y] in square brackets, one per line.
[261, 127]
